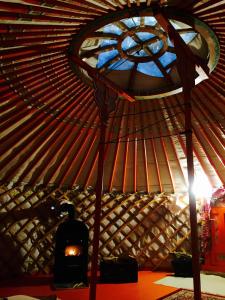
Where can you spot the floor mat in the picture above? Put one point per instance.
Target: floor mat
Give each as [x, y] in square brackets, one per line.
[209, 283]
[189, 295]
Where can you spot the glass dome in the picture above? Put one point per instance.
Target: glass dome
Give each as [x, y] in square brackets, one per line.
[138, 55]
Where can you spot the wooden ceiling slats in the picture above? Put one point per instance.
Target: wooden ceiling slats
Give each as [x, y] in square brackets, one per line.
[76, 6]
[23, 80]
[14, 119]
[17, 36]
[85, 168]
[35, 28]
[125, 170]
[17, 8]
[27, 42]
[32, 57]
[208, 127]
[180, 119]
[142, 170]
[157, 165]
[25, 71]
[116, 151]
[220, 73]
[170, 187]
[209, 152]
[216, 125]
[69, 141]
[87, 148]
[134, 152]
[170, 149]
[22, 65]
[162, 166]
[72, 155]
[50, 158]
[80, 7]
[218, 78]
[22, 51]
[143, 120]
[4, 88]
[20, 18]
[137, 152]
[51, 142]
[38, 97]
[24, 145]
[109, 4]
[58, 146]
[218, 104]
[153, 176]
[37, 86]
[216, 17]
[112, 148]
[37, 119]
[118, 4]
[218, 86]
[209, 7]
[113, 128]
[16, 113]
[124, 156]
[35, 68]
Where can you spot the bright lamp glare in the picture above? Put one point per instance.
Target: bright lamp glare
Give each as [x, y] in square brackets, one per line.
[201, 186]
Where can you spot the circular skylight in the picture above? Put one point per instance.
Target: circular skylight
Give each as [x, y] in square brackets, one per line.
[137, 54]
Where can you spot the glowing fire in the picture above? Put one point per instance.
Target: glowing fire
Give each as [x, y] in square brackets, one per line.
[73, 250]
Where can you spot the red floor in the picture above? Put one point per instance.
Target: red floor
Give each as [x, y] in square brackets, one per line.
[145, 289]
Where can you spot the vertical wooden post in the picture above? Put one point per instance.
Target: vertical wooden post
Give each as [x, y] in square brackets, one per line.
[186, 62]
[192, 201]
[99, 185]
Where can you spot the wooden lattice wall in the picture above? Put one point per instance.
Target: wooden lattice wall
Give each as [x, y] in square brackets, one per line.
[146, 226]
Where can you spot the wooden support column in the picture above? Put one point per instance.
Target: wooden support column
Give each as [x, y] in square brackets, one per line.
[106, 93]
[192, 200]
[105, 99]
[99, 186]
[186, 65]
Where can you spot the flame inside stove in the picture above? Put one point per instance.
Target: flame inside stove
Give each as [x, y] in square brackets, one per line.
[73, 250]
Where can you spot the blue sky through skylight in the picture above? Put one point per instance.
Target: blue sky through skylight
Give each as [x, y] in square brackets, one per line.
[128, 43]
[105, 57]
[132, 22]
[151, 21]
[188, 37]
[167, 58]
[144, 36]
[108, 42]
[111, 28]
[148, 68]
[155, 47]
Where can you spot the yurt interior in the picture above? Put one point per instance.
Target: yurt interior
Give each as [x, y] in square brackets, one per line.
[112, 149]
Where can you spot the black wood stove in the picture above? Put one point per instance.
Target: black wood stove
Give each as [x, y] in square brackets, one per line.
[71, 252]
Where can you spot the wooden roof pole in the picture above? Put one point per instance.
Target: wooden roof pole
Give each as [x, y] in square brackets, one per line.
[106, 93]
[97, 76]
[192, 200]
[186, 63]
[97, 217]
[106, 101]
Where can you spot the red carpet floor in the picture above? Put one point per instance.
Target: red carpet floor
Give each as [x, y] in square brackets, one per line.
[145, 289]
